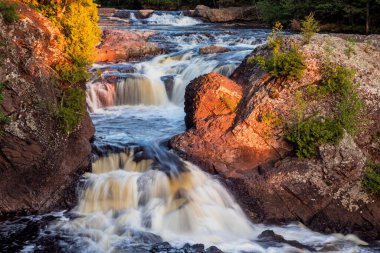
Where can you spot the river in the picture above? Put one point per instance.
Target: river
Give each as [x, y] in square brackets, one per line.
[141, 197]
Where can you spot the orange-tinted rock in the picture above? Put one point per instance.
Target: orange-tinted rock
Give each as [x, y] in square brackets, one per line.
[106, 12]
[213, 50]
[145, 13]
[249, 153]
[122, 45]
[217, 132]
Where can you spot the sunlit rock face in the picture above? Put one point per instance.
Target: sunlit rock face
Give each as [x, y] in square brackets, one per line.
[39, 162]
[121, 45]
[252, 153]
[217, 132]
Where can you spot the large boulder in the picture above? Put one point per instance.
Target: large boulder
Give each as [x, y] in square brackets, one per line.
[39, 163]
[242, 140]
[122, 45]
[219, 134]
[246, 13]
[106, 12]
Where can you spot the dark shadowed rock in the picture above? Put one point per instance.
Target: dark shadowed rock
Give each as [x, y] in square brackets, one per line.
[271, 237]
[39, 162]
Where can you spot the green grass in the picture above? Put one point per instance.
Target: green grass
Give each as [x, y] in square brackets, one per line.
[71, 109]
[371, 177]
[9, 12]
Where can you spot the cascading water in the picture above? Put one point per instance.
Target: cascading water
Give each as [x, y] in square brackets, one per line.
[139, 194]
[160, 194]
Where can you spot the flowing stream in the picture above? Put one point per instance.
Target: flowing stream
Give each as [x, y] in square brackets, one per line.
[140, 196]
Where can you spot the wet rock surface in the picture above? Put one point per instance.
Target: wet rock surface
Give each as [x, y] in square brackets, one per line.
[122, 45]
[213, 50]
[256, 163]
[39, 162]
[247, 13]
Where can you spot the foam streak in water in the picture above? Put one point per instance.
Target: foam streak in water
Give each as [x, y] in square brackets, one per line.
[170, 19]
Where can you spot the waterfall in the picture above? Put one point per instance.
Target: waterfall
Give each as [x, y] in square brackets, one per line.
[135, 89]
[172, 19]
[153, 190]
[99, 95]
[138, 89]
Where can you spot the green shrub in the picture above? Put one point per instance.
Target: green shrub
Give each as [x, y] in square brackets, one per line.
[288, 63]
[337, 79]
[349, 50]
[3, 119]
[71, 109]
[371, 178]
[77, 20]
[73, 72]
[309, 27]
[271, 119]
[307, 135]
[9, 12]
[79, 24]
[349, 110]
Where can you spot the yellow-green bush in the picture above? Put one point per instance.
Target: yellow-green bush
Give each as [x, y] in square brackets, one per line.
[77, 20]
[309, 27]
[79, 24]
[283, 62]
[73, 72]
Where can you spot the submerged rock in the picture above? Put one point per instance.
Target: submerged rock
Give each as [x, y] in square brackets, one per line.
[213, 50]
[237, 139]
[272, 238]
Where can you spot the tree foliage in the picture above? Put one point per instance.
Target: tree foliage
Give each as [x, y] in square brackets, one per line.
[77, 20]
[352, 15]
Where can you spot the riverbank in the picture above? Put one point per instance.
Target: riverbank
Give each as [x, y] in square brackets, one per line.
[245, 147]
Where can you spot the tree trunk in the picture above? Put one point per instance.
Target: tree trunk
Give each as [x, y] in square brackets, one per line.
[367, 18]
